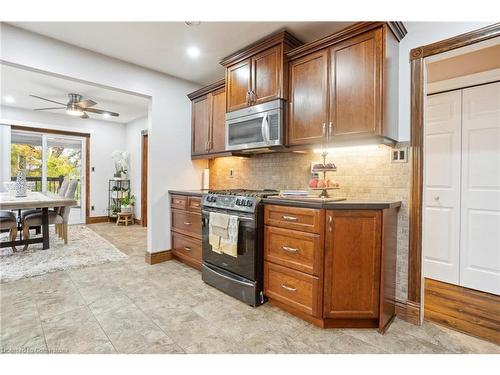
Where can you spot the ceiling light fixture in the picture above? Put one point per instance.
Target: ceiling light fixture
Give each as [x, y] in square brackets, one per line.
[9, 99]
[106, 115]
[73, 110]
[193, 52]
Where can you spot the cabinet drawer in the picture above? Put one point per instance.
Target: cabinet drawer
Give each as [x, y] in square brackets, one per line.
[298, 250]
[188, 223]
[194, 204]
[178, 201]
[296, 289]
[183, 246]
[297, 218]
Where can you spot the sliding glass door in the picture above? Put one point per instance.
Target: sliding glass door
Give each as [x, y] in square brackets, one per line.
[49, 160]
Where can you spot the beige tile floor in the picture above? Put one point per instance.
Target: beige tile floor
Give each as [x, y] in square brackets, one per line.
[132, 307]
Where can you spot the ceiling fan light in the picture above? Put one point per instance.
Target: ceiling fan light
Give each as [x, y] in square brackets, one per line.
[73, 110]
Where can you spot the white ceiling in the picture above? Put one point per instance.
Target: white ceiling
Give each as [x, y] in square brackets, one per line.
[20, 83]
[162, 45]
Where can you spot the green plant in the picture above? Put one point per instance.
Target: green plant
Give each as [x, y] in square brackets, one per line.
[127, 201]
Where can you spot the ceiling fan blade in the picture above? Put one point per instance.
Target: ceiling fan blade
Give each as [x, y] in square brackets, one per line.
[44, 109]
[102, 112]
[84, 115]
[86, 103]
[48, 100]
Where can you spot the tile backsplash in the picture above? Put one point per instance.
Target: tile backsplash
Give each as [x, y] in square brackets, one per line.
[364, 172]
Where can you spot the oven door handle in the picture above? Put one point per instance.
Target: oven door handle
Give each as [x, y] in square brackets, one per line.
[228, 278]
[240, 218]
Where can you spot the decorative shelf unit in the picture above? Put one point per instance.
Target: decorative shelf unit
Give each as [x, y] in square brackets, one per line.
[117, 189]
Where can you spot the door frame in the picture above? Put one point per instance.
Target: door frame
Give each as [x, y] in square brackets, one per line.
[144, 177]
[87, 156]
[414, 310]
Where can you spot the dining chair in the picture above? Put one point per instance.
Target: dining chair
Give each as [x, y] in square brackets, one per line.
[58, 217]
[8, 222]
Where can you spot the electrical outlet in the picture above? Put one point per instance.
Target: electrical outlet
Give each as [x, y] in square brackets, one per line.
[399, 155]
[231, 173]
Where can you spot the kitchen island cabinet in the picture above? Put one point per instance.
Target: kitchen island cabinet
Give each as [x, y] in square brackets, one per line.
[339, 273]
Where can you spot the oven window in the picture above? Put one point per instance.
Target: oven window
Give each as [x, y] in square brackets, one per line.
[245, 132]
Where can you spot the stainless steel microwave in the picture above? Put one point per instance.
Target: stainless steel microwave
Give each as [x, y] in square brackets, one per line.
[259, 126]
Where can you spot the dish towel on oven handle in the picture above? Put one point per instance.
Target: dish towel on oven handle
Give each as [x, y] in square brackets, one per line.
[223, 233]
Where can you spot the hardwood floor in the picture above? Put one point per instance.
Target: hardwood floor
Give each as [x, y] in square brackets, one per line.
[466, 310]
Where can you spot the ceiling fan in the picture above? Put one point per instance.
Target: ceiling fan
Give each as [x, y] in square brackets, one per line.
[77, 106]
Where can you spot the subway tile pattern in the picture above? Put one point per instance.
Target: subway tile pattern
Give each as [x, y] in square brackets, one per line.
[364, 172]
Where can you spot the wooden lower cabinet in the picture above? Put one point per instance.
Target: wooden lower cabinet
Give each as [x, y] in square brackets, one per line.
[186, 229]
[341, 275]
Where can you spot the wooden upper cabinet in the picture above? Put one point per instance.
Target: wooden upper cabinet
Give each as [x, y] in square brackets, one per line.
[356, 85]
[200, 125]
[258, 73]
[238, 85]
[352, 264]
[361, 90]
[266, 75]
[308, 106]
[208, 121]
[218, 134]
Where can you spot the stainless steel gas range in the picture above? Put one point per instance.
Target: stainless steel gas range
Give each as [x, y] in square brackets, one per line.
[240, 276]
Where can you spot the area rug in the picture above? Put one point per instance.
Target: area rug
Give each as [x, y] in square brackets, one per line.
[85, 248]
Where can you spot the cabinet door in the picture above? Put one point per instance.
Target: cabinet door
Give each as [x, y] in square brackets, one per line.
[356, 85]
[308, 99]
[238, 85]
[200, 125]
[352, 264]
[480, 218]
[266, 75]
[218, 133]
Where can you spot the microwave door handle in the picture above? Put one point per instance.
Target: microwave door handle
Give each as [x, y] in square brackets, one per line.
[265, 129]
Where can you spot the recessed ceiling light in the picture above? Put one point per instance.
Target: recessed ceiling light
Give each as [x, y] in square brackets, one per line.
[193, 23]
[193, 52]
[9, 99]
[106, 115]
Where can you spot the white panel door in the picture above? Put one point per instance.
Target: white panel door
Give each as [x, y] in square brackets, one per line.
[480, 227]
[441, 205]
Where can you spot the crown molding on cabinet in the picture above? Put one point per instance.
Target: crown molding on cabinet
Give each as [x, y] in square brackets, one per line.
[207, 89]
[397, 28]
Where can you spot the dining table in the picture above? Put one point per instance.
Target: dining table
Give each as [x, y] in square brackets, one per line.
[33, 200]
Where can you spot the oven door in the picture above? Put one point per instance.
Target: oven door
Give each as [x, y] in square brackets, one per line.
[245, 263]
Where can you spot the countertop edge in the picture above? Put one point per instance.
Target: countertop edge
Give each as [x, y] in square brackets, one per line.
[340, 205]
[191, 193]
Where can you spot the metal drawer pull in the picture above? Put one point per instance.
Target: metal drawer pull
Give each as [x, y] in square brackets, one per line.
[289, 218]
[290, 249]
[289, 288]
[187, 223]
[187, 248]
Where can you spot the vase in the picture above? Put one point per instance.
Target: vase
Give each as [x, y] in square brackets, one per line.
[21, 183]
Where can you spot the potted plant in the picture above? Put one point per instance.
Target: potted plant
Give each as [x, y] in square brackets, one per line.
[126, 204]
[120, 159]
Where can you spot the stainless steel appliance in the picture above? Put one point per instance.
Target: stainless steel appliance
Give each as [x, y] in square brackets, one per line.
[259, 126]
[241, 276]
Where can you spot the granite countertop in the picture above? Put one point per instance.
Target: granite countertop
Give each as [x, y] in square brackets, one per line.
[348, 204]
[195, 193]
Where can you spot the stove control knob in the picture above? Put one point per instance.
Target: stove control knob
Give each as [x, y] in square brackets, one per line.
[249, 203]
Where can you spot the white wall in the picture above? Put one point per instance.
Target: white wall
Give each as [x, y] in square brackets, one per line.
[170, 165]
[133, 144]
[420, 34]
[105, 137]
